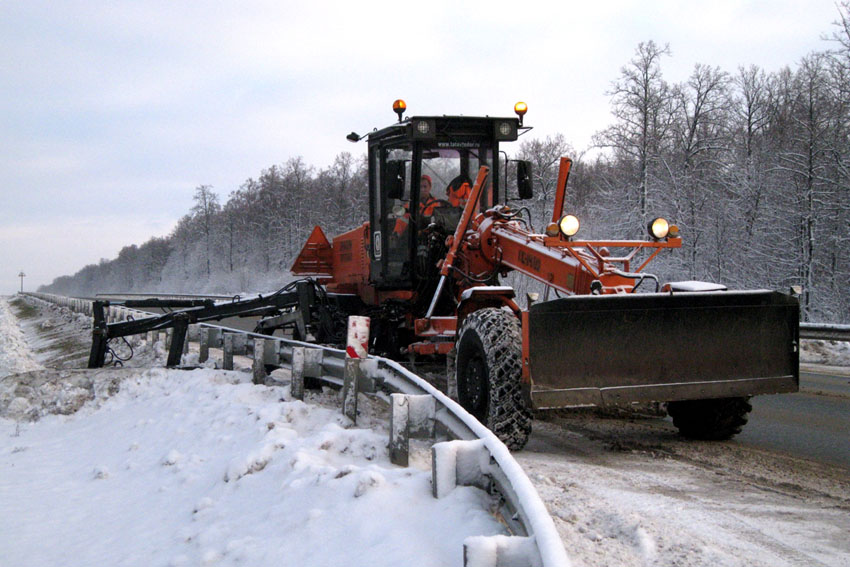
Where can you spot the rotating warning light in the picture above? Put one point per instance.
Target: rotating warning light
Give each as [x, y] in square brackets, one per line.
[399, 106]
[659, 228]
[520, 108]
[569, 225]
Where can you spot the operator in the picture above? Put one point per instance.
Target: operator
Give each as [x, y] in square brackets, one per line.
[458, 191]
[427, 204]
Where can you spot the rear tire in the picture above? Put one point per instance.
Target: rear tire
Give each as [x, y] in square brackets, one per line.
[488, 371]
[710, 420]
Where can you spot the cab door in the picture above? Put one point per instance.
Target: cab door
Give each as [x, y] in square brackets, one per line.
[390, 220]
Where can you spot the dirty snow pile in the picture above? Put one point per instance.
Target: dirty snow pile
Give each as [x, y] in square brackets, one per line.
[169, 467]
[831, 353]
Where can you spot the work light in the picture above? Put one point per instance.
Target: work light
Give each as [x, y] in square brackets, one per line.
[569, 225]
[659, 228]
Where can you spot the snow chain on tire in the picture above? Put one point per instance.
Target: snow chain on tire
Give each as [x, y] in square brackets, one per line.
[488, 372]
[710, 420]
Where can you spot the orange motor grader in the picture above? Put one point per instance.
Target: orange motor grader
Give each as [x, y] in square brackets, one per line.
[441, 233]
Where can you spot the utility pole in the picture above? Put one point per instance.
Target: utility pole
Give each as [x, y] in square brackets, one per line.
[22, 275]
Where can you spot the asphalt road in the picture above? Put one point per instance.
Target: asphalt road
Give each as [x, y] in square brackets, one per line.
[813, 423]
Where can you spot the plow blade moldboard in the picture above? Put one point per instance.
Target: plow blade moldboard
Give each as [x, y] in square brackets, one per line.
[615, 349]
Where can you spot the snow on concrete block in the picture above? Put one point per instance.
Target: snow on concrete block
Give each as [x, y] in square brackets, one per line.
[500, 551]
[459, 463]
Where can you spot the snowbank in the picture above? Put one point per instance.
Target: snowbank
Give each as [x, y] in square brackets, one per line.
[205, 468]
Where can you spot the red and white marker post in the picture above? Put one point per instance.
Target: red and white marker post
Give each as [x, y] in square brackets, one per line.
[356, 350]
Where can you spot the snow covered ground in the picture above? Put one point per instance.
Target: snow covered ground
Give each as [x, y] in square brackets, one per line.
[167, 467]
[157, 467]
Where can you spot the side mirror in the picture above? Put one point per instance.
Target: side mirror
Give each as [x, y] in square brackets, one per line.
[394, 181]
[524, 184]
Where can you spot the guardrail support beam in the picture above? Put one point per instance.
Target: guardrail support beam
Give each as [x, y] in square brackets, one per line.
[412, 417]
[349, 388]
[227, 355]
[204, 340]
[459, 463]
[296, 383]
[500, 551]
[259, 366]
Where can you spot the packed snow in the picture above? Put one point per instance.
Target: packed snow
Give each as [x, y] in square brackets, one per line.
[148, 466]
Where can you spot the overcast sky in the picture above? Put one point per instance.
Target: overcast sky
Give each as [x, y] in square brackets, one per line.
[111, 113]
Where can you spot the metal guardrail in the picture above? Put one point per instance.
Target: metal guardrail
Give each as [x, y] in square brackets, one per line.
[120, 296]
[825, 332]
[475, 457]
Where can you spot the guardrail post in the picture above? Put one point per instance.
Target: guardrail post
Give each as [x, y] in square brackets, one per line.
[296, 383]
[459, 463]
[240, 344]
[349, 388]
[259, 365]
[227, 355]
[204, 340]
[412, 417]
[215, 337]
[356, 349]
[500, 551]
[451, 376]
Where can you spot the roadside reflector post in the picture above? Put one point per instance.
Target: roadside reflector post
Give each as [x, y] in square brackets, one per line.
[227, 355]
[411, 417]
[357, 347]
[204, 340]
[296, 383]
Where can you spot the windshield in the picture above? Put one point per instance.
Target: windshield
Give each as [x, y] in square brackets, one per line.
[448, 169]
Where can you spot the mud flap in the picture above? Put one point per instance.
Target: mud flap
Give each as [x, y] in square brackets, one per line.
[615, 349]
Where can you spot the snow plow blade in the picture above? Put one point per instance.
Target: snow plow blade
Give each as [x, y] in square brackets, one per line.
[618, 349]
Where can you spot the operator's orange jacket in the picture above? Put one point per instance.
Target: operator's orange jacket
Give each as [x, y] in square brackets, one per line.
[425, 209]
[459, 196]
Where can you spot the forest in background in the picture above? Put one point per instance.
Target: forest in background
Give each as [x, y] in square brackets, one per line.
[754, 167]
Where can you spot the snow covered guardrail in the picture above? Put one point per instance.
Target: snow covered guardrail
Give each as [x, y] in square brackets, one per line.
[119, 296]
[474, 456]
[825, 332]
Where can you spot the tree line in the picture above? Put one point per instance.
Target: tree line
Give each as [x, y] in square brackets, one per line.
[753, 166]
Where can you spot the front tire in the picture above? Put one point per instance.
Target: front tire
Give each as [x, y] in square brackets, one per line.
[710, 420]
[488, 372]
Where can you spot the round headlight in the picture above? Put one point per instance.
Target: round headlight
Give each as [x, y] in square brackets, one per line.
[423, 127]
[659, 228]
[569, 225]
